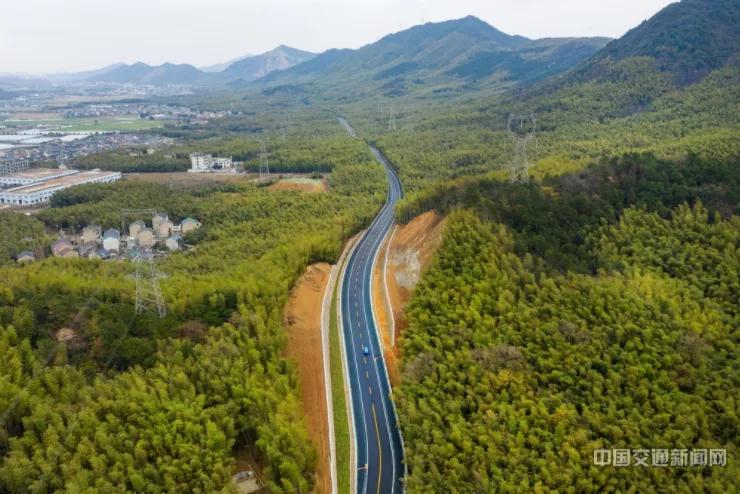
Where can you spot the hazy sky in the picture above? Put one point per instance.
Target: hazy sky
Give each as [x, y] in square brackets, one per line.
[68, 35]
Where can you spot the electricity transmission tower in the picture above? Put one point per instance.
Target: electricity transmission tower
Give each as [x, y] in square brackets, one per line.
[522, 130]
[410, 117]
[148, 292]
[264, 164]
[392, 127]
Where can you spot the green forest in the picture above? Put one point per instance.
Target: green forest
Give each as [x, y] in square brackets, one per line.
[513, 374]
[142, 404]
[593, 307]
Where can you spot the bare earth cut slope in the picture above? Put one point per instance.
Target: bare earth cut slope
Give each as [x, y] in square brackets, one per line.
[303, 320]
[412, 247]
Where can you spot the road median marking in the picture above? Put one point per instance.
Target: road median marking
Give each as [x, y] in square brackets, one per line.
[380, 450]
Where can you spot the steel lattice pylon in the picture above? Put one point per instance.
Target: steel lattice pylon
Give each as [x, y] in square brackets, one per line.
[148, 292]
[522, 129]
[264, 164]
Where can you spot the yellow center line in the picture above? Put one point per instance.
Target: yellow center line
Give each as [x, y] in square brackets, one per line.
[380, 452]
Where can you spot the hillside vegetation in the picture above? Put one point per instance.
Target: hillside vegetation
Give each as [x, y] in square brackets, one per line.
[142, 404]
[594, 307]
[514, 375]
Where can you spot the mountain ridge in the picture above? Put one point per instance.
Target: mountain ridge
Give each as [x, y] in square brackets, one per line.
[257, 66]
[245, 69]
[458, 51]
[687, 39]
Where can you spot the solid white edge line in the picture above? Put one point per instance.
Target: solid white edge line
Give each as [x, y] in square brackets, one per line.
[382, 358]
[354, 353]
[345, 368]
[326, 348]
[393, 403]
[388, 305]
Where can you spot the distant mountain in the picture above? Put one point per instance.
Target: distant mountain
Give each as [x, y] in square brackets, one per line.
[81, 76]
[687, 40]
[141, 73]
[463, 51]
[687, 44]
[243, 70]
[218, 67]
[16, 82]
[255, 67]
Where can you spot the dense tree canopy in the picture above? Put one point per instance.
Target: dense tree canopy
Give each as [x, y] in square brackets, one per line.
[512, 377]
[142, 404]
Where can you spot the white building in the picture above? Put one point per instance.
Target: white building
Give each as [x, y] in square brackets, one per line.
[164, 229]
[145, 238]
[12, 166]
[112, 240]
[91, 234]
[135, 227]
[35, 175]
[37, 193]
[204, 163]
[174, 242]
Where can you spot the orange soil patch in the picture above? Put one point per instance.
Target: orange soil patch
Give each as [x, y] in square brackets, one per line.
[302, 186]
[302, 316]
[412, 248]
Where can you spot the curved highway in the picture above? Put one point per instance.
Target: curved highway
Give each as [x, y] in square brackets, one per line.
[379, 449]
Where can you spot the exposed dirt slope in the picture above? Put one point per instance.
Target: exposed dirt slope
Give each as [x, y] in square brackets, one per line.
[301, 184]
[303, 318]
[412, 248]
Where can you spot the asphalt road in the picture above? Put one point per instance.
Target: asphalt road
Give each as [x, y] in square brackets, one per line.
[379, 449]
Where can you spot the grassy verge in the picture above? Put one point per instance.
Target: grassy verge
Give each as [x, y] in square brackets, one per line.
[341, 424]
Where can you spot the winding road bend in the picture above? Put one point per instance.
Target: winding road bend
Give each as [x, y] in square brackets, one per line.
[379, 449]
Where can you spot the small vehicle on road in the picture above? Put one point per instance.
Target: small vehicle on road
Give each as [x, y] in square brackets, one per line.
[365, 350]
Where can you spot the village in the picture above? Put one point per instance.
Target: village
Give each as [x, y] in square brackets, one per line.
[33, 146]
[158, 236]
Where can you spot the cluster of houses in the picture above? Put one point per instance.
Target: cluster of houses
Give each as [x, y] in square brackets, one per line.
[62, 147]
[94, 243]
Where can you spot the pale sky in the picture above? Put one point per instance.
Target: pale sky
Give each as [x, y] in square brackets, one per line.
[43, 36]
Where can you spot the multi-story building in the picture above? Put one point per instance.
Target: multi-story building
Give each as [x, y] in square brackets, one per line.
[203, 163]
[40, 192]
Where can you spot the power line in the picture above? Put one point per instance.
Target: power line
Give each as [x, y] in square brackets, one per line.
[522, 130]
[148, 292]
[264, 163]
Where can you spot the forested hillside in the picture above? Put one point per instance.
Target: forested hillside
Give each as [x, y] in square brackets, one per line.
[513, 374]
[597, 306]
[594, 307]
[20, 233]
[142, 404]
[576, 126]
[633, 104]
[687, 39]
[552, 219]
[457, 56]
